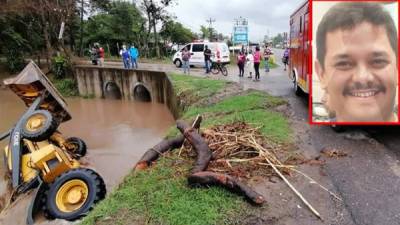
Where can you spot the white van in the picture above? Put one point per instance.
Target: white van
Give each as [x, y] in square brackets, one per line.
[219, 51]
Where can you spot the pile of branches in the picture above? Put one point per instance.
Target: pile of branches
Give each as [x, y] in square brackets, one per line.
[239, 150]
[224, 155]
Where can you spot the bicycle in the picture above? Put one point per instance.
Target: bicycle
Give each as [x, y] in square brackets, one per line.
[217, 67]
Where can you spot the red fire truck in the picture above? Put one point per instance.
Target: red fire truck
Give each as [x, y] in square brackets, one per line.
[299, 68]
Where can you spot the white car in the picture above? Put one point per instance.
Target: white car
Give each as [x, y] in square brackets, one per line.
[219, 51]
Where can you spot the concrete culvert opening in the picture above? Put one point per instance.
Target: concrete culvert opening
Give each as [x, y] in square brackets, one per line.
[140, 93]
[112, 91]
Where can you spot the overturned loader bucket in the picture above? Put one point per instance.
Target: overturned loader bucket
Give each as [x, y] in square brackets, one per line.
[32, 83]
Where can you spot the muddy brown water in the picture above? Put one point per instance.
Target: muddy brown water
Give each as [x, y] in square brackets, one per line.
[116, 132]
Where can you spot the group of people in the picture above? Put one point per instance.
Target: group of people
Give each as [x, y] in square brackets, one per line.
[252, 60]
[97, 55]
[186, 55]
[129, 56]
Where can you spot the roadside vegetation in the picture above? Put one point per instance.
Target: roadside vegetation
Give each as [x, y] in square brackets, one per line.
[66, 86]
[160, 195]
[190, 90]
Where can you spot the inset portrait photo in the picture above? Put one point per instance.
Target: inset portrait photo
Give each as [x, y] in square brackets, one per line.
[355, 62]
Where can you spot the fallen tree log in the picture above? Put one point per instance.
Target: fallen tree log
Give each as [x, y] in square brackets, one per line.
[153, 153]
[205, 178]
[165, 145]
[204, 153]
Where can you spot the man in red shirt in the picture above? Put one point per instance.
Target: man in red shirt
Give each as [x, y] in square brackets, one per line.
[100, 53]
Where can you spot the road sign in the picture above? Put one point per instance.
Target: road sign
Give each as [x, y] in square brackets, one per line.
[240, 38]
[240, 30]
[240, 34]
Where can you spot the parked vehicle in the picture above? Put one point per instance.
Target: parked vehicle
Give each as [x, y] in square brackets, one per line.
[219, 49]
[299, 69]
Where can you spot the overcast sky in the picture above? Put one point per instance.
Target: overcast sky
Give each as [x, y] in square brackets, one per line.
[263, 15]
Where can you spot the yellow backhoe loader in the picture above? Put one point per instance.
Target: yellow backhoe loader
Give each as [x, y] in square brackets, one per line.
[38, 156]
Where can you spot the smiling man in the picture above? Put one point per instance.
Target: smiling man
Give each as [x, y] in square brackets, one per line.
[357, 62]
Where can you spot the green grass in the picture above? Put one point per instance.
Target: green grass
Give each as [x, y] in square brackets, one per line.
[239, 103]
[161, 196]
[195, 88]
[254, 107]
[67, 87]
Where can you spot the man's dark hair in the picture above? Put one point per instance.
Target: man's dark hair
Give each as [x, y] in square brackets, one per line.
[347, 15]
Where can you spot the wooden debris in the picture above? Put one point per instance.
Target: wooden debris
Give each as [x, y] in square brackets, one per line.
[206, 178]
[294, 190]
[165, 145]
[152, 154]
[233, 151]
[204, 154]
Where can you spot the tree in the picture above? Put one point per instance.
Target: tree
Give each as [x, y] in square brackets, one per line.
[156, 12]
[210, 33]
[50, 14]
[12, 42]
[277, 39]
[122, 24]
[84, 7]
[229, 43]
[205, 32]
[176, 33]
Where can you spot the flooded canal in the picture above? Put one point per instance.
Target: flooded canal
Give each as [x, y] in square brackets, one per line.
[116, 132]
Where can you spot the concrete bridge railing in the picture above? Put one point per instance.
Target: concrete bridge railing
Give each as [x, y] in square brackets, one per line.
[119, 83]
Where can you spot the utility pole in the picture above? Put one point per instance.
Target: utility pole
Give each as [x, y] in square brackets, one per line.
[210, 21]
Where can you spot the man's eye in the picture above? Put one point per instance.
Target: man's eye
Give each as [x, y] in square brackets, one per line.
[344, 65]
[379, 63]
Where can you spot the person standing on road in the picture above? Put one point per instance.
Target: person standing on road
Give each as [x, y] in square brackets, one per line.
[125, 56]
[100, 54]
[207, 59]
[185, 60]
[267, 54]
[257, 60]
[134, 54]
[241, 58]
[285, 58]
[250, 64]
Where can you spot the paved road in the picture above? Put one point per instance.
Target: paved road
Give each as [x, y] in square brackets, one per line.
[275, 82]
[368, 179]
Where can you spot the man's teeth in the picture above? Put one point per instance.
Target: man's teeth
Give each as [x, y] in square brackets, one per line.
[363, 94]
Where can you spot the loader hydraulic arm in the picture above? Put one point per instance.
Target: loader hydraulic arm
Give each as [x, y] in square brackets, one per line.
[15, 143]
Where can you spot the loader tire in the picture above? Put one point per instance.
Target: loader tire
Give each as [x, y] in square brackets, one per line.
[80, 148]
[39, 125]
[73, 194]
